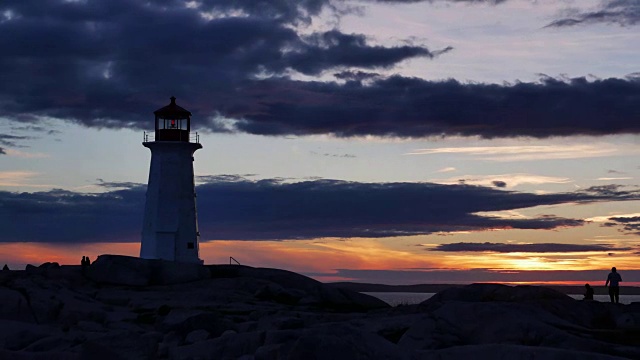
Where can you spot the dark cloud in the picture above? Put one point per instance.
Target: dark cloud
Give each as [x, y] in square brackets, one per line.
[358, 76]
[499, 184]
[410, 107]
[611, 190]
[35, 128]
[118, 185]
[345, 156]
[29, 128]
[626, 220]
[528, 248]
[111, 63]
[222, 178]
[492, 2]
[12, 140]
[231, 207]
[59, 216]
[319, 208]
[334, 49]
[628, 224]
[620, 12]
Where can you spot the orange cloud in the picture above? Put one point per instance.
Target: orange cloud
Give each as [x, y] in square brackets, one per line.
[316, 256]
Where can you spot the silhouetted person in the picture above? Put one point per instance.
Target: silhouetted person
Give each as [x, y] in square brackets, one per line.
[88, 261]
[5, 267]
[613, 280]
[588, 293]
[84, 265]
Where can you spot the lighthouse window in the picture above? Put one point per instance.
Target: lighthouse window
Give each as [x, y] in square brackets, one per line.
[190, 245]
[180, 124]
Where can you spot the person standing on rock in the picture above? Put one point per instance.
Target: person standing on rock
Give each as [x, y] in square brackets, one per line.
[588, 295]
[613, 280]
[83, 263]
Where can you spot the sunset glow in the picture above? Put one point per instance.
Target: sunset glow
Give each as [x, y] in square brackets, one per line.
[322, 258]
[396, 142]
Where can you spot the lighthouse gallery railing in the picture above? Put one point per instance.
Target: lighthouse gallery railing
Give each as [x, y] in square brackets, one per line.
[194, 138]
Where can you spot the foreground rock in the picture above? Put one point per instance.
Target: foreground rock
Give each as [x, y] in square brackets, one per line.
[128, 308]
[523, 317]
[126, 270]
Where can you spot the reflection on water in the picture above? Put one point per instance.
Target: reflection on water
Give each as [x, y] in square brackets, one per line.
[405, 298]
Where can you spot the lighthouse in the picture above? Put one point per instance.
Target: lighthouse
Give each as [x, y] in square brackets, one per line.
[170, 225]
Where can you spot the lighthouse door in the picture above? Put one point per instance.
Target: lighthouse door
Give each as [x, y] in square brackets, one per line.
[166, 242]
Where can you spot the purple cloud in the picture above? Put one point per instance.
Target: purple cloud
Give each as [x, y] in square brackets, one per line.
[232, 207]
[527, 248]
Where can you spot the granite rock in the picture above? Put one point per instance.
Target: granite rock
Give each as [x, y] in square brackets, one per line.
[129, 308]
[126, 270]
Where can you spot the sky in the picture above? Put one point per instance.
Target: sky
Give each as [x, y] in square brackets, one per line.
[396, 142]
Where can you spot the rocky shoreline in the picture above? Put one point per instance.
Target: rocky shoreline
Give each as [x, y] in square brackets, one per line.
[129, 308]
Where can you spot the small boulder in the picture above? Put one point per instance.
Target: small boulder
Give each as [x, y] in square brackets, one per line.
[121, 345]
[628, 321]
[290, 288]
[15, 335]
[233, 346]
[90, 326]
[340, 341]
[196, 336]
[49, 265]
[14, 306]
[276, 293]
[512, 352]
[120, 270]
[44, 303]
[132, 271]
[170, 272]
[212, 323]
[496, 292]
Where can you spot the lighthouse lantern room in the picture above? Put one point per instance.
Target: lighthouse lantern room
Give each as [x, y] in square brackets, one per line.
[170, 224]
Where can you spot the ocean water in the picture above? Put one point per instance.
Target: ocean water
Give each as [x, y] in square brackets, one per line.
[405, 298]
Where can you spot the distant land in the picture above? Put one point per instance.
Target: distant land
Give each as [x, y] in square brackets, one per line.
[434, 288]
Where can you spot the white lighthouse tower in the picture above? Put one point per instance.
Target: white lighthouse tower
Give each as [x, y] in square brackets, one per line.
[170, 228]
